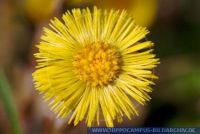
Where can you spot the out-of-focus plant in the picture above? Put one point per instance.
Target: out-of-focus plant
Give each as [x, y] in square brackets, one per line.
[6, 97]
[143, 11]
[78, 2]
[40, 10]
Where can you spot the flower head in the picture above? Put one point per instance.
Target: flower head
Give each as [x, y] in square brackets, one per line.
[143, 11]
[94, 62]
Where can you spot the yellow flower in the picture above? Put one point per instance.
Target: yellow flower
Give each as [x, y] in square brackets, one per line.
[92, 63]
[143, 11]
[78, 2]
[40, 10]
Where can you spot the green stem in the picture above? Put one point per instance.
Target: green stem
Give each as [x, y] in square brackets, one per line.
[10, 108]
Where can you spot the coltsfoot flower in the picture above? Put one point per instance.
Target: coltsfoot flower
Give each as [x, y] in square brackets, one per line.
[95, 62]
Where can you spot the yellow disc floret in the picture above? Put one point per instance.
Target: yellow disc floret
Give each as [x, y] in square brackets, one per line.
[97, 64]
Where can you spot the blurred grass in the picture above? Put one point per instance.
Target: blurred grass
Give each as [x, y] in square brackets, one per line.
[9, 105]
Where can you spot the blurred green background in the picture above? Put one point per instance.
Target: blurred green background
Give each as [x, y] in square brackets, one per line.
[175, 30]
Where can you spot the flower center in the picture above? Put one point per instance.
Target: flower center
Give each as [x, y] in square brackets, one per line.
[97, 64]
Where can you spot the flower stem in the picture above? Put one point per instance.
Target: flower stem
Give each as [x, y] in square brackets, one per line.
[10, 108]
